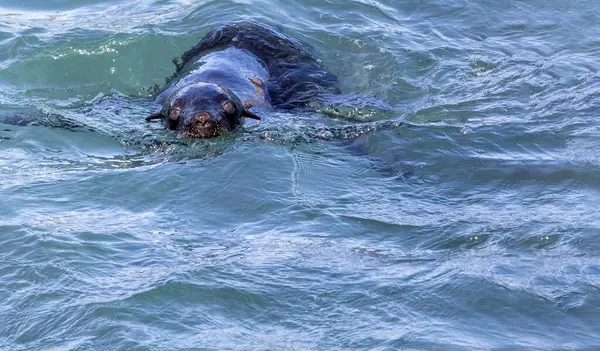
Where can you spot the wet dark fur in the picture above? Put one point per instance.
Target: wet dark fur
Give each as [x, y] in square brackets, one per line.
[295, 76]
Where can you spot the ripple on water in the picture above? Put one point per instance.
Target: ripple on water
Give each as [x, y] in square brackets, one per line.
[471, 226]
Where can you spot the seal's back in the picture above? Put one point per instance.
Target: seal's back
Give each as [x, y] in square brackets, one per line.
[295, 76]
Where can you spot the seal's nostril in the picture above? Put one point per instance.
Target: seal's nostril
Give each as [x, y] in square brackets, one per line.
[202, 119]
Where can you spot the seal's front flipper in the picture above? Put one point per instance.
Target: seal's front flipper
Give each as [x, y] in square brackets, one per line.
[17, 118]
[368, 140]
[22, 118]
[356, 108]
[368, 146]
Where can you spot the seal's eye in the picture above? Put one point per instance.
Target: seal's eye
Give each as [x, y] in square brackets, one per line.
[228, 107]
[173, 120]
[174, 114]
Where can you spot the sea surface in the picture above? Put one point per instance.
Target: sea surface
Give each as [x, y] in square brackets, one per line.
[474, 224]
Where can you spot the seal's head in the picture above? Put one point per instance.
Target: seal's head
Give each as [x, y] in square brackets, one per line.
[204, 110]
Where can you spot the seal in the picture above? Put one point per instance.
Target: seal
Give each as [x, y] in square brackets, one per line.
[233, 69]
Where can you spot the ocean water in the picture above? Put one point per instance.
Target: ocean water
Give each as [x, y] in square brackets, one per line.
[475, 225]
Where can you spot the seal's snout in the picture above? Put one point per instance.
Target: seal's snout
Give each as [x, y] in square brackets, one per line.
[202, 126]
[202, 120]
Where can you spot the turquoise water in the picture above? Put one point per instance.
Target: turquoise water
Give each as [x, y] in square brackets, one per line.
[474, 226]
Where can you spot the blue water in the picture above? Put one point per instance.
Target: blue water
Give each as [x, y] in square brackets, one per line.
[473, 226]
